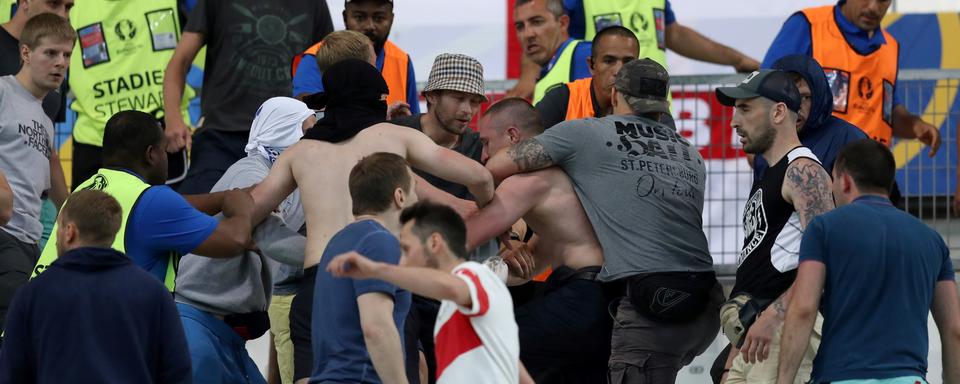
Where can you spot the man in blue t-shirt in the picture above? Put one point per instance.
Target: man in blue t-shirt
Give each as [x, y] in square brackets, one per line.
[357, 323]
[162, 221]
[878, 271]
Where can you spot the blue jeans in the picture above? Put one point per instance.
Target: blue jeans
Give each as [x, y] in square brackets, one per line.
[218, 354]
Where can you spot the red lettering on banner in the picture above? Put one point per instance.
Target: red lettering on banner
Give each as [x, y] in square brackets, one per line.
[701, 119]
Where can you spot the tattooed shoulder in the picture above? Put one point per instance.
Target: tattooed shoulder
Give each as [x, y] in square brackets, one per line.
[529, 154]
[809, 187]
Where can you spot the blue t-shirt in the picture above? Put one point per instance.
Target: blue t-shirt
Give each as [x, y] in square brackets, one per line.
[578, 27]
[309, 80]
[578, 66]
[163, 221]
[881, 269]
[339, 351]
[795, 38]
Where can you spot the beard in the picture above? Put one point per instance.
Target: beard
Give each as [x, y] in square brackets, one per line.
[378, 43]
[761, 141]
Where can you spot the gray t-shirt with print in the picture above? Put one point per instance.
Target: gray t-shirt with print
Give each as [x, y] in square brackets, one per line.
[25, 149]
[642, 185]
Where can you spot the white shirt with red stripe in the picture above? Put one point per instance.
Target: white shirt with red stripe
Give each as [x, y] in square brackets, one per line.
[478, 344]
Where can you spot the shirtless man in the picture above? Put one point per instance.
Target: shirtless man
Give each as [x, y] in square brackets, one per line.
[320, 165]
[570, 321]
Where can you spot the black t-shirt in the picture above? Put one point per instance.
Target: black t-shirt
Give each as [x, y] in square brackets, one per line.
[553, 106]
[250, 45]
[55, 101]
[469, 146]
[772, 232]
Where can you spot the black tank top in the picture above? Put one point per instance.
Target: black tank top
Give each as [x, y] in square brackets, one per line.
[771, 226]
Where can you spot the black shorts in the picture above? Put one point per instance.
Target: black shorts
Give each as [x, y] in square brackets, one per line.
[565, 331]
[418, 337]
[17, 260]
[301, 322]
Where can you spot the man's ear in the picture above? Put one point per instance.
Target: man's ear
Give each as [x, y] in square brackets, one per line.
[846, 183]
[590, 64]
[513, 134]
[779, 113]
[398, 197]
[151, 154]
[564, 21]
[435, 242]
[69, 232]
[24, 54]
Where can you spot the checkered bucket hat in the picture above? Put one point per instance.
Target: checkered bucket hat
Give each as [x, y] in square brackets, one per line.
[456, 72]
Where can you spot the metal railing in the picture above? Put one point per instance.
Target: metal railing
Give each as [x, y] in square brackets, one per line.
[927, 184]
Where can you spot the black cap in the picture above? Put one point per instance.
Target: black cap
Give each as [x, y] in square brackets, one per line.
[648, 82]
[772, 84]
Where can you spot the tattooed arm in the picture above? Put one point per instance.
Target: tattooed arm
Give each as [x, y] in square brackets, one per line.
[807, 187]
[525, 156]
[800, 320]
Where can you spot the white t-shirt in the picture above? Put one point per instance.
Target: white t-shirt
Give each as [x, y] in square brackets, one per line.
[478, 344]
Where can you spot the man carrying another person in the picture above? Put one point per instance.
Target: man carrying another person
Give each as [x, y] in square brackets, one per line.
[373, 18]
[352, 128]
[477, 308]
[565, 332]
[641, 185]
[782, 202]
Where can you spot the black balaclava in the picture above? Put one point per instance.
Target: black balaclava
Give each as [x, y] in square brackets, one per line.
[352, 94]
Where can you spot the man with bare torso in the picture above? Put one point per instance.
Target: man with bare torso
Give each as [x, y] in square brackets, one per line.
[565, 332]
[353, 127]
[641, 185]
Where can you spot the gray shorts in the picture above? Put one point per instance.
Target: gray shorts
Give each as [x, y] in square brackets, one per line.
[17, 260]
[646, 351]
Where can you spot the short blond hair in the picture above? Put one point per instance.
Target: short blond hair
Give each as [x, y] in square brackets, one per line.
[46, 25]
[343, 45]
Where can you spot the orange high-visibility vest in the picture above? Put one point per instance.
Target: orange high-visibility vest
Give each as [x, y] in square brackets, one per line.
[394, 71]
[862, 85]
[580, 104]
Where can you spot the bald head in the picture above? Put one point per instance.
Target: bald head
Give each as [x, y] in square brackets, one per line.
[506, 123]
